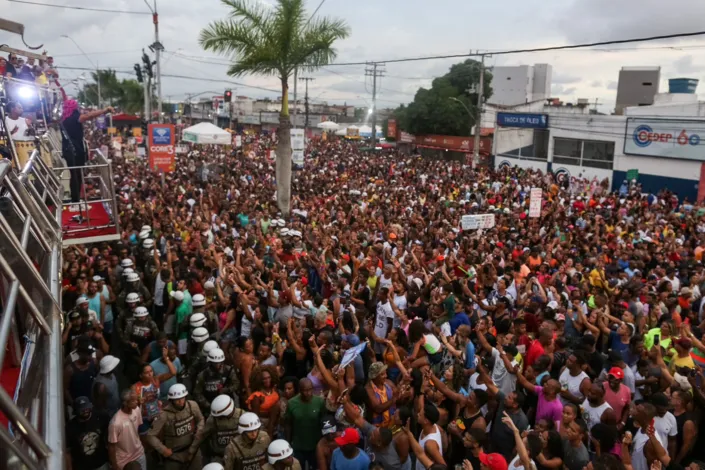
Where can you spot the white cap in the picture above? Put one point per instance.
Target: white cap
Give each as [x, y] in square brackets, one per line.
[97, 278]
[141, 312]
[146, 228]
[127, 271]
[199, 335]
[222, 405]
[108, 363]
[198, 300]
[143, 235]
[279, 450]
[132, 298]
[177, 295]
[126, 263]
[81, 300]
[148, 243]
[177, 391]
[133, 277]
[248, 422]
[209, 285]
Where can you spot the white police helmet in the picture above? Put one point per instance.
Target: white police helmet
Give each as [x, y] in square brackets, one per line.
[177, 391]
[196, 320]
[279, 450]
[199, 335]
[222, 405]
[198, 300]
[248, 422]
[216, 356]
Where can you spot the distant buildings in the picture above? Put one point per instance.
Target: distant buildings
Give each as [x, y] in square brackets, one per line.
[637, 87]
[520, 84]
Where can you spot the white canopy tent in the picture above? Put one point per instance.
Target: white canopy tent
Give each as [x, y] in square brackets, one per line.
[207, 133]
[328, 126]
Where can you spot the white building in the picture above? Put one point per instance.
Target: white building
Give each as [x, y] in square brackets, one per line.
[664, 142]
[520, 84]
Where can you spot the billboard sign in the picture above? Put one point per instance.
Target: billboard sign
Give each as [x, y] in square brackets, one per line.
[668, 138]
[392, 128]
[161, 147]
[523, 120]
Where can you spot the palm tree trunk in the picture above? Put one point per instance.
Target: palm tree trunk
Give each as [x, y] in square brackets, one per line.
[283, 163]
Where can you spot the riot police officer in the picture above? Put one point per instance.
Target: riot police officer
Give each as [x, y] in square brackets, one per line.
[281, 457]
[217, 379]
[199, 307]
[221, 427]
[132, 300]
[139, 331]
[173, 433]
[248, 450]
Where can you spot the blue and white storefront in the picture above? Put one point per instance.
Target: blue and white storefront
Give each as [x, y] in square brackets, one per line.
[667, 150]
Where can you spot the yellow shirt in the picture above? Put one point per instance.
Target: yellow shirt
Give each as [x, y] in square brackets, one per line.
[681, 362]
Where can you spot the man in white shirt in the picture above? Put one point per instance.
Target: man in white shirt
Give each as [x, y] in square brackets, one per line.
[16, 125]
[384, 317]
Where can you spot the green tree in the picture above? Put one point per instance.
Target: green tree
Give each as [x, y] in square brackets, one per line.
[273, 41]
[443, 109]
[127, 95]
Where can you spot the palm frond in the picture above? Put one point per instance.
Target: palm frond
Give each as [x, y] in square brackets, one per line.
[252, 13]
[315, 46]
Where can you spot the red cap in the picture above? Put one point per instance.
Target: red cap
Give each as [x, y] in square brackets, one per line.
[351, 436]
[617, 373]
[441, 258]
[493, 461]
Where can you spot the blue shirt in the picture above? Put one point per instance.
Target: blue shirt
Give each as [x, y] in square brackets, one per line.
[470, 355]
[155, 352]
[160, 368]
[460, 318]
[340, 462]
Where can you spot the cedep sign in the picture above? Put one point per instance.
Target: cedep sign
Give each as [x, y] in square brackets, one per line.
[669, 138]
[477, 221]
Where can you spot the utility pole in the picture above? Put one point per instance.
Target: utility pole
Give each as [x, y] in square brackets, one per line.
[374, 73]
[296, 104]
[478, 116]
[306, 80]
[157, 48]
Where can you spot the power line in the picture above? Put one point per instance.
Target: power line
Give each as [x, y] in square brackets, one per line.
[183, 77]
[71, 7]
[536, 49]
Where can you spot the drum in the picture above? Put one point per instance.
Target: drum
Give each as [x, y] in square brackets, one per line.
[24, 150]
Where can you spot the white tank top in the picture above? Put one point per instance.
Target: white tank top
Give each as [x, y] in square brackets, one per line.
[434, 436]
[572, 384]
[432, 345]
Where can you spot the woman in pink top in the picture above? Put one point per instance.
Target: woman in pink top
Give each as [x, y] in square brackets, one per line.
[124, 445]
[549, 406]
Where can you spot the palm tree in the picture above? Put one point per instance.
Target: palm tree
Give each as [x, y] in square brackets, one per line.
[274, 41]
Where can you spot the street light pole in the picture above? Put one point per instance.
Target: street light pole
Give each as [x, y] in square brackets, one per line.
[478, 119]
[97, 70]
[466, 109]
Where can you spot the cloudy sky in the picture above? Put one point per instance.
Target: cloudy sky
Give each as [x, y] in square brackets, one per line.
[385, 30]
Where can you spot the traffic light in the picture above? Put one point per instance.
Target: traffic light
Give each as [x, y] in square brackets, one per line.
[138, 71]
[228, 96]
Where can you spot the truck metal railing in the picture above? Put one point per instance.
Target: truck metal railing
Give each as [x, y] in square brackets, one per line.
[97, 183]
[31, 318]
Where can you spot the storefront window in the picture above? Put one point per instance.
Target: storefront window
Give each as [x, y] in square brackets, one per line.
[587, 153]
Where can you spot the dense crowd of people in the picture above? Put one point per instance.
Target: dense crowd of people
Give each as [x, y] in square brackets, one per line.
[368, 330]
